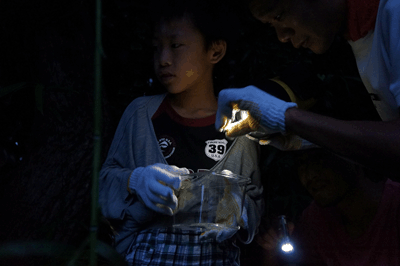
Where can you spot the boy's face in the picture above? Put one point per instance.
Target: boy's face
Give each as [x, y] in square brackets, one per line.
[311, 24]
[180, 59]
[326, 178]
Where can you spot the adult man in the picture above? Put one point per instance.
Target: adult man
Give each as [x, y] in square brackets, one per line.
[373, 30]
[353, 220]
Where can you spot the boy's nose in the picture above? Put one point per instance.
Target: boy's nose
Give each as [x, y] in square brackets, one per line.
[165, 58]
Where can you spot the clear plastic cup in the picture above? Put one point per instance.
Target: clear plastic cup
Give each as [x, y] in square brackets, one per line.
[208, 200]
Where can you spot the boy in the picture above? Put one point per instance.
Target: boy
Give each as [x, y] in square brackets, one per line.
[160, 137]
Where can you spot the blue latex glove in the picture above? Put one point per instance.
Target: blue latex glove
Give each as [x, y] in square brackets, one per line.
[153, 186]
[265, 111]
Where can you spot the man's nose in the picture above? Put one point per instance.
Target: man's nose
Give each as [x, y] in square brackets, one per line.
[284, 33]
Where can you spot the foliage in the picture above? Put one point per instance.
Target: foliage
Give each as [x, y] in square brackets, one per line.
[48, 253]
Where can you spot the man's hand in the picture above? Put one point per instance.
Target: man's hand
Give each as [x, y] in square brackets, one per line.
[264, 110]
[153, 186]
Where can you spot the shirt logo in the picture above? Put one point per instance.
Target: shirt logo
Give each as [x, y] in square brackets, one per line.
[216, 149]
[167, 146]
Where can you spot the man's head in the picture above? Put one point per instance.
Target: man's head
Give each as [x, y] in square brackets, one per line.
[311, 24]
[327, 177]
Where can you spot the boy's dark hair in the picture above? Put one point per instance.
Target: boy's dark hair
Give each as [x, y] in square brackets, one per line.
[212, 19]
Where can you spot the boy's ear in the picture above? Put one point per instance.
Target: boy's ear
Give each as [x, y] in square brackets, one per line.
[217, 51]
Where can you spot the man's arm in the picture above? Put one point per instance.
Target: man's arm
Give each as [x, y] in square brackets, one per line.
[375, 144]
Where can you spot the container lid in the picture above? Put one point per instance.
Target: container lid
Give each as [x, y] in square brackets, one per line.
[198, 178]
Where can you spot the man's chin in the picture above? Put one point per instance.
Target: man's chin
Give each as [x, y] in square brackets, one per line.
[320, 45]
[318, 49]
[324, 204]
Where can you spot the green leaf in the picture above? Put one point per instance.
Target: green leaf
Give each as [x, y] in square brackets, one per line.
[58, 251]
[35, 248]
[12, 88]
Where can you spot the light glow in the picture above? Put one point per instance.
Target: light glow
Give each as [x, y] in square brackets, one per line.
[287, 247]
[233, 122]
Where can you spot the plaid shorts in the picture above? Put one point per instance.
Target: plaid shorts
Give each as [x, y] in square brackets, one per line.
[173, 246]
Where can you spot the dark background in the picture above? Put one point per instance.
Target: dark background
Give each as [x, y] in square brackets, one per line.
[46, 106]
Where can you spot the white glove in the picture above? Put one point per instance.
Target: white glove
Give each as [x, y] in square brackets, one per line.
[153, 186]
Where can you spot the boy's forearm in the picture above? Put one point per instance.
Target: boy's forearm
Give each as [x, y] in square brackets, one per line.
[114, 197]
[375, 144]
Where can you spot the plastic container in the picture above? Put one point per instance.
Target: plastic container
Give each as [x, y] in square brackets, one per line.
[208, 200]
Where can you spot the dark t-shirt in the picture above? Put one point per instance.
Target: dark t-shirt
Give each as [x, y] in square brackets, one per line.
[379, 245]
[185, 142]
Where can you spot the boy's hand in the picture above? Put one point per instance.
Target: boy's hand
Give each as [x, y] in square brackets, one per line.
[266, 110]
[153, 186]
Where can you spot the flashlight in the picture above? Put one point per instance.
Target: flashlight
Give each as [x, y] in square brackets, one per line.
[285, 244]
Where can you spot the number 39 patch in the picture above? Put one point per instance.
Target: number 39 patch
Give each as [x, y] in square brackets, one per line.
[216, 149]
